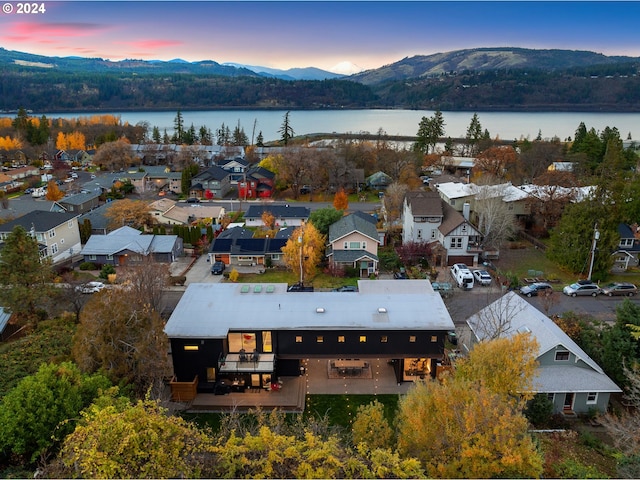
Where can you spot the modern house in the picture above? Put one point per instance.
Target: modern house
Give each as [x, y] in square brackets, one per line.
[427, 218]
[57, 233]
[566, 374]
[250, 335]
[285, 215]
[81, 202]
[353, 242]
[126, 246]
[247, 251]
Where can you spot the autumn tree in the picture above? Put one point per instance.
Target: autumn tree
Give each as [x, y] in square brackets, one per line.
[496, 162]
[461, 429]
[134, 213]
[304, 251]
[53, 192]
[114, 156]
[25, 279]
[122, 337]
[120, 440]
[393, 200]
[372, 427]
[323, 218]
[341, 200]
[70, 141]
[42, 409]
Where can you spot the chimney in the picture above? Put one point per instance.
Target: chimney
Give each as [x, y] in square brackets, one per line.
[466, 210]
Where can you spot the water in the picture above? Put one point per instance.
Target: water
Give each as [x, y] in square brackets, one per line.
[503, 125]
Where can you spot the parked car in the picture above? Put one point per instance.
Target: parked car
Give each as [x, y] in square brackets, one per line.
[535, 289]
[401, 275]
[299, 287]
[482, 277]
[193, 200]
[620, 288]
[217, 268]
[90, 287]
[581, 288]
[346, 288]
[305, 190]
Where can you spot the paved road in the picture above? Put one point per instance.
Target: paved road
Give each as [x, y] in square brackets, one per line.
[236, 205]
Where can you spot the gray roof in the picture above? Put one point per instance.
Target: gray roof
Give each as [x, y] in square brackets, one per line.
[210, 310]
[351, 224]
[524, 317]
[97, 217]
[4, 319]
[127, 238]
[79, 198]
[39, 220]
[236, 232]
[350, 256]
[278, 211]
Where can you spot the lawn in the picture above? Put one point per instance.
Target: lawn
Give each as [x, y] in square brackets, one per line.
[321, 281]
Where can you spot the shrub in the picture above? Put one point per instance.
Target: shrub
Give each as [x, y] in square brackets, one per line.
[107, 269]
[539, 410]
[178, 280]
[87, 266]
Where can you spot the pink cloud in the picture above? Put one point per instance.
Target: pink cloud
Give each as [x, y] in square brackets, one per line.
[32, 29]
[152, 44]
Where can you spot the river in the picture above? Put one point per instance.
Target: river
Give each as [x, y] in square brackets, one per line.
[502, 125]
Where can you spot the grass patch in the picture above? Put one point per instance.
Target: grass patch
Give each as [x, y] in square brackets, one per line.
[321, 281]
[341, 410]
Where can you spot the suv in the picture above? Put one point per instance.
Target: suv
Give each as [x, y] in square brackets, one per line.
[482, 277]
[620, 288]
[346, 288]
[581, 288]
[217, 268]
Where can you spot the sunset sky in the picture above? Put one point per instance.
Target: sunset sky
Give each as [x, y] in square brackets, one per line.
[320, 34]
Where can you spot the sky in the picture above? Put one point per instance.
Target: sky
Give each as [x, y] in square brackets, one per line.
[339, 36]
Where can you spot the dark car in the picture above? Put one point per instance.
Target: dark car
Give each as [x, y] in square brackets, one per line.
[620, 288]
[346, 288]
[534, 289]
[193, 200]
[217, 268]
[299, 287]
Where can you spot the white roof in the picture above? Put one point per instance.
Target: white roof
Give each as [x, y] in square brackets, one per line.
[209, 310]
[455, 189]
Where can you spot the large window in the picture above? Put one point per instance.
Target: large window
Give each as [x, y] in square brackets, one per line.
[242, 340]
[562, 356]
[592, 398]
[267, 345]
[456, 242]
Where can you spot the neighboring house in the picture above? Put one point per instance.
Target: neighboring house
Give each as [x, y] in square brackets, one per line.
[378, 181]
[236, 168]
[458, 165]
[22, 172]
[628, 252]
[258, 182]
[427, 218]
[353, 242]
[566, 374]
[98, 219]
[561, 167]
[169, 212]
[285, 215]
[81, 202]
[57, 233]
[214, 182]
[126, 246]
[214, 324]
[459, 194]
[4, 323]
[247, 251]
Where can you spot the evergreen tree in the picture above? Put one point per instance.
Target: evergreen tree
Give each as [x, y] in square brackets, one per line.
[178, 127]
[155, 135]
[286, 130]
[474, 134]
[85, 230]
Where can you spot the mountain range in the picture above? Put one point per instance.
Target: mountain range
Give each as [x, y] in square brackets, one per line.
[474, 79]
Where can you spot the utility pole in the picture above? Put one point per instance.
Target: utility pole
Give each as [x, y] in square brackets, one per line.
[301, 269]
[596, 237]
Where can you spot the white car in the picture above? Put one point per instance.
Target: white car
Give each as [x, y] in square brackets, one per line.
[90, 287]
[482, 277]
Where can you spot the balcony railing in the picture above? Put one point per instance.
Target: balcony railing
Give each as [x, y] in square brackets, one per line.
[247, 363]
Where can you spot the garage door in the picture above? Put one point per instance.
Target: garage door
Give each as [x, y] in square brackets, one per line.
[467, 260]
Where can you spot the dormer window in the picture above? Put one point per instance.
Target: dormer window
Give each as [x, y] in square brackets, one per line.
[562, 356]
[626, 242]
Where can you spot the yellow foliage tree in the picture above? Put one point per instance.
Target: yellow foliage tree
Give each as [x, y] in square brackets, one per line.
[506, 366]
[341, 200]
[53, 192]
[234, 275]
[461, 429]
[371, 427]
[8, 143]
[304, 250]
[133, 213]
[61, 141]
[70, 141]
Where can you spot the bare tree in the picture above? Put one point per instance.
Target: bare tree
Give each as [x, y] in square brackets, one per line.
[393, 198]
[147, 280]
[494, 321]
[495, 221]
[114, 155]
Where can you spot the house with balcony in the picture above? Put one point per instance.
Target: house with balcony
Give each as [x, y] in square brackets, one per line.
[214, 182]
[57, 233]
[566, 375]
[404, 323]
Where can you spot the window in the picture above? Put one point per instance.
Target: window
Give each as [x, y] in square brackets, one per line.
[419, 233]
[551, 397]
[211, 374]
[434, 338]
[364, 245]
[384, 339]
[191, 348]
[267, 345]
[562, 356]
[452, 202]
[340, 338]
[319, 339]
[592, 397]
[70, 224]
[52, 233]
[464, 227]
[298, 338]
[54, 249]
[346, 245]
[61, 241]
[363, 339]
[456, 242]
[433, 233]
[412, 339]
[109, 257]
[626, 242]
[275, 256]
[92, 257]
[354, 245]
